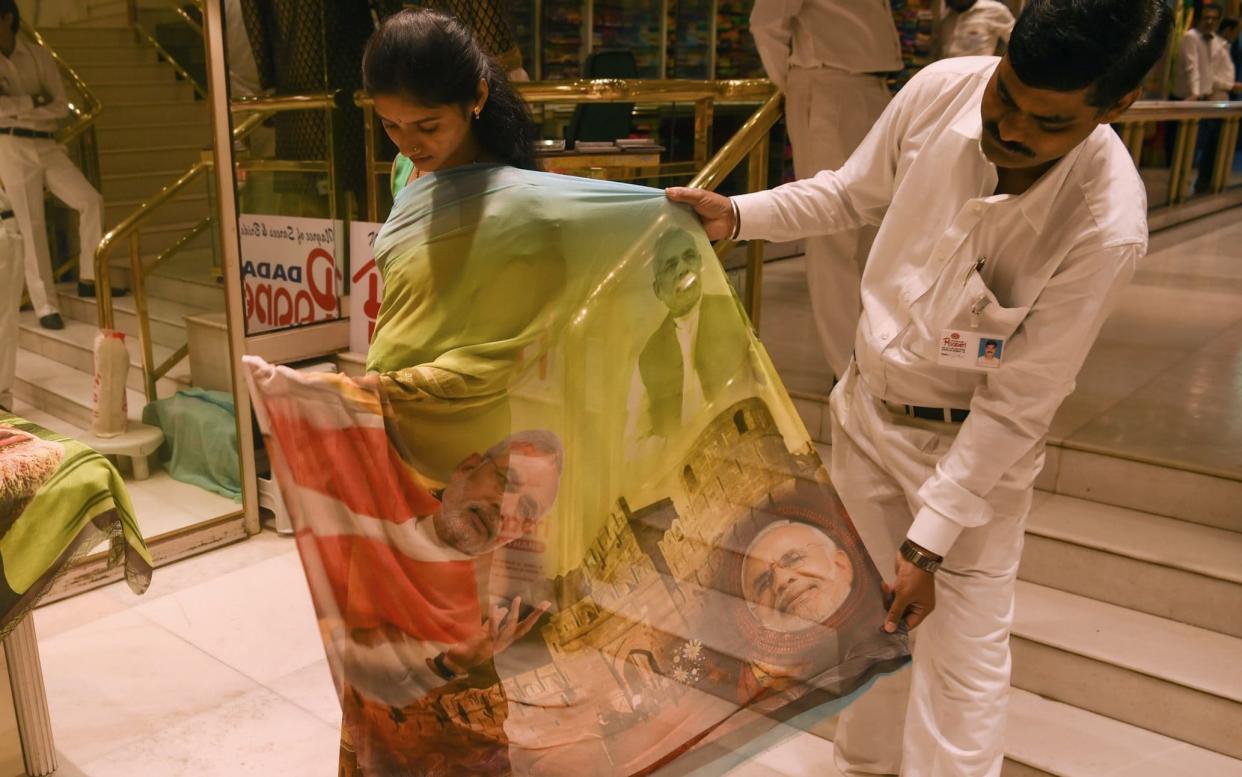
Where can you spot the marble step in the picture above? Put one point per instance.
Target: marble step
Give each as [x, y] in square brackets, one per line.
[167, 90]
[1177, 680]
[1046, 737]
[1166, 567]
[74, 346]
[70, 36]
[136, 110]
[62, 391]
[166, 316]
[139, 185]
[109, 21]
[81, 56]
[106, 71]
[176, 157]
[123, 136]
[189, 205]
[1190, 496]
[186, 279]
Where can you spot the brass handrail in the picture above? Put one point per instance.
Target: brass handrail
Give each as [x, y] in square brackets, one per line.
[258, 110]
[1187, 114]
[168, 56]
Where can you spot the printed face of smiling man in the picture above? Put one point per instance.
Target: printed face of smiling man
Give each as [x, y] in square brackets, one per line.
[677, 267]
[794, 576]
[494, 498]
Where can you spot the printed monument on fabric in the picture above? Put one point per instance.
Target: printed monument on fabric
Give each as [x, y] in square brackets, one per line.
[569, 523]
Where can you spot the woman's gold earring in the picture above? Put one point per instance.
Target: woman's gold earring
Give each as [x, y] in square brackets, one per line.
[477, 111]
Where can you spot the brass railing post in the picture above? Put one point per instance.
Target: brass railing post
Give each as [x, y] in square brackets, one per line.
[1224, 154]
[1135, 140]
[756, 181]
[144, 321]
[1177, 165]
[368, 131]
[704, 110]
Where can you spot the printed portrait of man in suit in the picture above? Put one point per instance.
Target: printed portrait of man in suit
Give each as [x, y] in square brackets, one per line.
[699, 349]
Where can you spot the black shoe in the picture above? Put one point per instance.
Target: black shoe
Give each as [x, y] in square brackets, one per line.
[87, 289]
[52, 321]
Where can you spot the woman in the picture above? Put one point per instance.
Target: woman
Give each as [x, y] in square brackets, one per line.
[462, 132]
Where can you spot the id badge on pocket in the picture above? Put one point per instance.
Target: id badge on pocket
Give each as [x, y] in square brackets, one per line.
[969, 349]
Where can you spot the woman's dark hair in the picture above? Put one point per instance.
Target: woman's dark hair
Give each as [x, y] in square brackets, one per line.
[1227, 24]
[436, 60]
[1108, 45]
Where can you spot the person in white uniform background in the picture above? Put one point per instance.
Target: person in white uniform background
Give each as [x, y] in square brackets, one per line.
[10, 300]
[32, 101]
[1009, 212]
[1204, 72]
[973, 28]
[830, 58]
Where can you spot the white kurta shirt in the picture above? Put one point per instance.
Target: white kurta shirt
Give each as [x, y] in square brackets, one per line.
[28, 71]
[1222, 68]
[975, 32]
[1057, 256]
[856, 36]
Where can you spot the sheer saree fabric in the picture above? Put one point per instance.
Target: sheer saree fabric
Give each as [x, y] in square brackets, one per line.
[569, 522]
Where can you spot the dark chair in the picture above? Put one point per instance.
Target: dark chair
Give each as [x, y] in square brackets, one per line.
[603, 121]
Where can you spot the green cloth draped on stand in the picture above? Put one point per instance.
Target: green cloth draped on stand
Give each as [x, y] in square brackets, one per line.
[58, 501]
[570, 523]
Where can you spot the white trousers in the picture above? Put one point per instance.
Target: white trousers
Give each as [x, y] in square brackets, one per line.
[26, 166]
[10, 300]
[944, 717]
[828, 113]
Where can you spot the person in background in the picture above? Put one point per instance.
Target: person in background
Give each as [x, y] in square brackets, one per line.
[32, 101]
[830, 58]
[1205, 72]
[973, 28]
[10, 300]
[1008, 207]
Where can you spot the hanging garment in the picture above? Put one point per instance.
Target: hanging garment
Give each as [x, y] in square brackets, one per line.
[569, 523]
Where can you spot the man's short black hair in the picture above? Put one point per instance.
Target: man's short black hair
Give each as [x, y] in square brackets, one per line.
[1108, 45]
[10, 6]
[1227, 24]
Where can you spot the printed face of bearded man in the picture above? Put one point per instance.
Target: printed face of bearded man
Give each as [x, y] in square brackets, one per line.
[494, 498]
[794, 576]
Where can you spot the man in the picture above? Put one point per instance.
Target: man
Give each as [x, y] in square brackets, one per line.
[696, 351]
[1205, 72]
[973, 28]
[10, 300]
[794, 576]
[1008, 210]
[990, 355]
[32, 101]
[830, 57]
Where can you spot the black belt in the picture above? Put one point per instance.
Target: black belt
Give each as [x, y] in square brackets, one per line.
[22, 132]
[943, 414]
[6, 214]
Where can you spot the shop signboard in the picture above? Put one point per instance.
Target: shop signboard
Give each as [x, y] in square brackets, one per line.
[291, 273]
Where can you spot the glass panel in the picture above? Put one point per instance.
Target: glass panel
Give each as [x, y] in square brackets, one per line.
[562, 39]
[690, 39]
[736, 56]
[629, 25]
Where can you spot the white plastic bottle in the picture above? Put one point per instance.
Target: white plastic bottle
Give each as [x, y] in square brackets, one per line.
[109, 417]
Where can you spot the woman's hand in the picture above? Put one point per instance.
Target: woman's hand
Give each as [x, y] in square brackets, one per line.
[500, 631]
[714, 210]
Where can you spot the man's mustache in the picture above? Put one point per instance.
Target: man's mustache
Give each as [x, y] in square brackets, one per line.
[993, 131]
